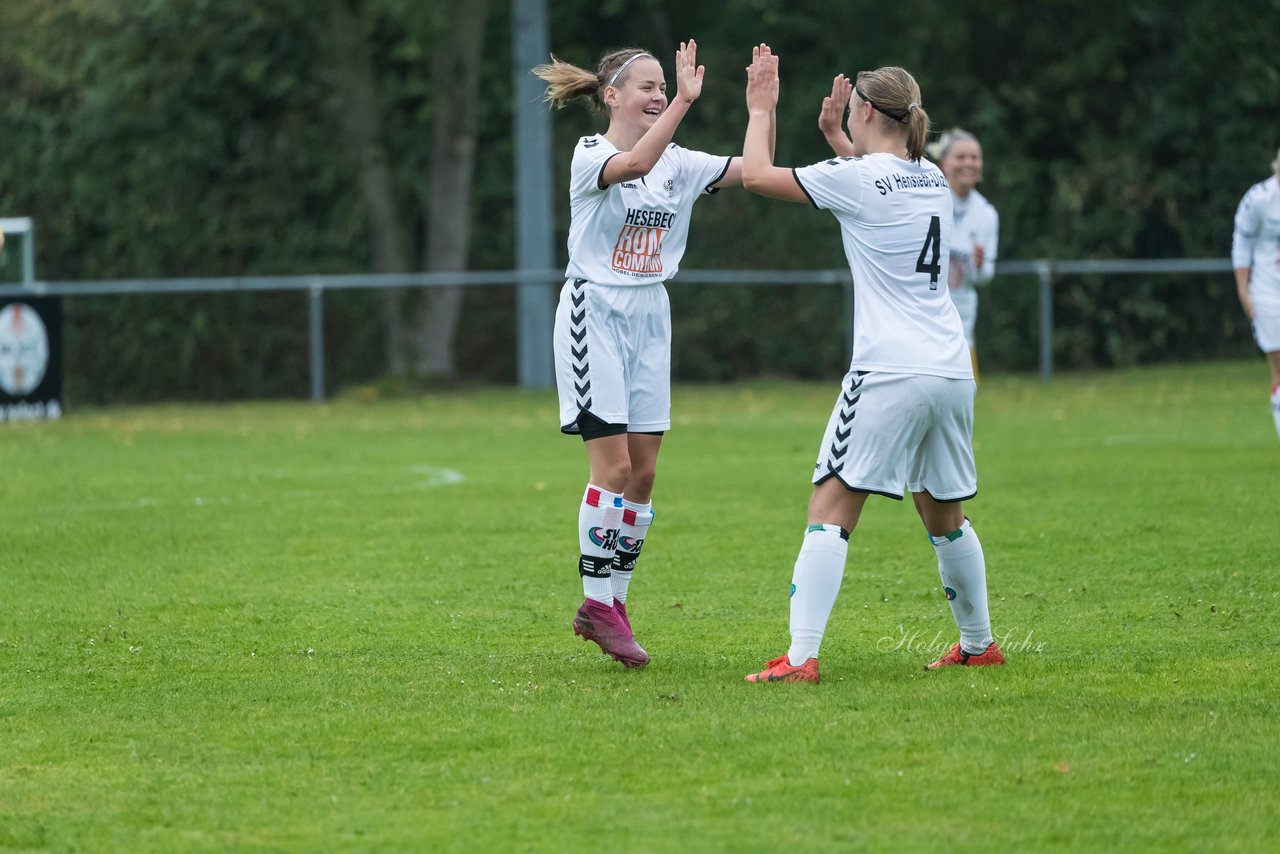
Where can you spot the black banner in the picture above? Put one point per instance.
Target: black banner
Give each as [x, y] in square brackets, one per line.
[30, 358]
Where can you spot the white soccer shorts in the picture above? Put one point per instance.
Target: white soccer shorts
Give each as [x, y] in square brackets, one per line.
[887, 430]
[612, 347]
[1266, 327]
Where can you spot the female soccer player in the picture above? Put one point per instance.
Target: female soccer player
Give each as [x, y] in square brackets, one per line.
[905, 409]
[1255, 255]
[976, 235]
[631, 194]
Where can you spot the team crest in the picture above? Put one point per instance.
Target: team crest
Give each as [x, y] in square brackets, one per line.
[670, 186]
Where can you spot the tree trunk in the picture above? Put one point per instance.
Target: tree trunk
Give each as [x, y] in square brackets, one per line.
[361, 126]
[455, 76]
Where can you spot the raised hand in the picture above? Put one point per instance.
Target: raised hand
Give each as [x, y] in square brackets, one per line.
[831, 118]
[762, 80]
[688, 72]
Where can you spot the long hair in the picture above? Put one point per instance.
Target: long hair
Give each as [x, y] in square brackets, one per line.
[895, 95]
[566, 81]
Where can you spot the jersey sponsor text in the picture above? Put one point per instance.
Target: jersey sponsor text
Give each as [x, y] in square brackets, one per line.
[657, 219]
[638, 250]
[899, 181]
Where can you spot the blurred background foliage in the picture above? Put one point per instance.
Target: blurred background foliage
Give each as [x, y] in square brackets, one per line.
[198, 138]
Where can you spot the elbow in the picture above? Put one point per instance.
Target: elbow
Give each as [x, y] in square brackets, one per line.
[638, 167]
[751, 180]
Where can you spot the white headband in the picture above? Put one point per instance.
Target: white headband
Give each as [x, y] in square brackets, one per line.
[623, 67]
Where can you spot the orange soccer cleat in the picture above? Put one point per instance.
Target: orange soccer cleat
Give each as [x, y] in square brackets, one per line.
[781, 670]
[957, 656]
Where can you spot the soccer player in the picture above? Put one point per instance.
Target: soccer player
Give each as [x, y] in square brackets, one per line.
[631, 194]
[1255, 255]
[976, 235]
[905, 409]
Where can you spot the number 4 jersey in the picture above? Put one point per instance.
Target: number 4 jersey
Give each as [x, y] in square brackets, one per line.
[895, 220]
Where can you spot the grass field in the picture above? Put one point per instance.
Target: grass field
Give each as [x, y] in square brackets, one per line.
[288, 627]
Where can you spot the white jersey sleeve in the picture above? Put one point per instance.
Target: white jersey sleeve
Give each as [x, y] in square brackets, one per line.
[1255, 242]
[587, 169]
[895, 221]
[1247, 221]
[634, 232]
[986, 233]
[976, 224]
[704, 169]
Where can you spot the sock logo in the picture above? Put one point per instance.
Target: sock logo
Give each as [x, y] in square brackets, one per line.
[951, 594]
[596, 567]
[793, 591]
[630, 544]
[605, 538]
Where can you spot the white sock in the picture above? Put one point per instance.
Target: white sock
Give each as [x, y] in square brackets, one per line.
[963, 570]
[1275, 407]
[636, 519]
[599, 515]
[815, 582]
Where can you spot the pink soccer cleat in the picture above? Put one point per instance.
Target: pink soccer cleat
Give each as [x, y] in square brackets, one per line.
[621, 608]
[604, 626]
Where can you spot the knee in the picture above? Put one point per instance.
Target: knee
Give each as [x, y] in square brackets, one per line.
[615, 475]
[941, 524]
[641, 480]
[939, 519]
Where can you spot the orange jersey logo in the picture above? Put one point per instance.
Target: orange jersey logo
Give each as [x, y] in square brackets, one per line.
[639, 249]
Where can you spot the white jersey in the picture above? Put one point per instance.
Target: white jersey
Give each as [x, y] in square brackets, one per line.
[976, 223]
[1256, 241]
[895, 220]
[634, 233]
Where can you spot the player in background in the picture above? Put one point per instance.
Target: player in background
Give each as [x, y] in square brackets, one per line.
[631, 194]
[975, 239]
[905, 409]
[1255, 255]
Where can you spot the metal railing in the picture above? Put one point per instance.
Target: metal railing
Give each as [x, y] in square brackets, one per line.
[1045, 271]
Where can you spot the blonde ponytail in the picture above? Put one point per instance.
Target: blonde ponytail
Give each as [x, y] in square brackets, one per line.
[566, 81]
[894, 93]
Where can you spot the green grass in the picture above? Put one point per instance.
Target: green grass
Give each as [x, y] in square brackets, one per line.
[287, 627]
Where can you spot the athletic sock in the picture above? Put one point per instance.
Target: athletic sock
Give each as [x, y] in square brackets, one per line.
[815, 582]
[636, 519]
[963, 570]
[598, 518]
[1275, 407]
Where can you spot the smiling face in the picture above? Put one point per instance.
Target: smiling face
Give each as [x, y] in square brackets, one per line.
[963, 166]
[638, 97]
